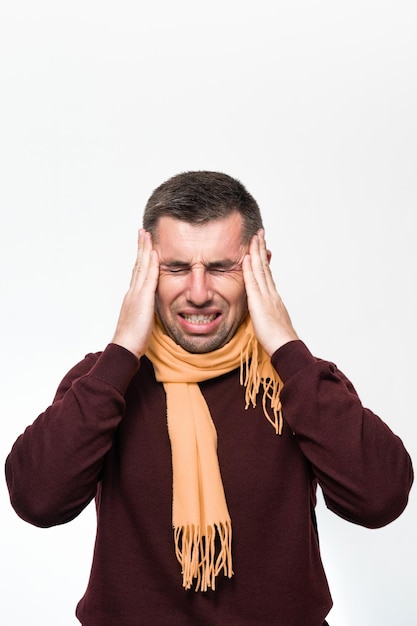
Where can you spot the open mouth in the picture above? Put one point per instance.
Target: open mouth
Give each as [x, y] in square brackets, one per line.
[200, 318]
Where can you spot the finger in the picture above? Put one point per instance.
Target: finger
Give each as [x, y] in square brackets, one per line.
[265, 257]
[142, 258]
[260, 264]
[150, 279]
[251, 284]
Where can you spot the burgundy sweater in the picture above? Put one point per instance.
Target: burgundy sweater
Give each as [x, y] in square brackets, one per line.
[105, 436]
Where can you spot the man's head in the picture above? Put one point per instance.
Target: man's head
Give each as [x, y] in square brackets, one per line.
[201, 225]
[199, 197]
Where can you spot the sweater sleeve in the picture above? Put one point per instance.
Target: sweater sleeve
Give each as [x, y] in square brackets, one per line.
[363, 468]
[53, 468]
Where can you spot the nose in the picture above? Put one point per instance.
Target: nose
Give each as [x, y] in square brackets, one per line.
[199, 291]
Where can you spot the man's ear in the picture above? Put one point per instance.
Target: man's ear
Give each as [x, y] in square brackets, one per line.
[269, 255]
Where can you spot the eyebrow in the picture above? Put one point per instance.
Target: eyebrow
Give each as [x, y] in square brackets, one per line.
[224, 264]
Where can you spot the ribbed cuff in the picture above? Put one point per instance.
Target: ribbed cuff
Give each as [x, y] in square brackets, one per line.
[116, 366]
[291, 358]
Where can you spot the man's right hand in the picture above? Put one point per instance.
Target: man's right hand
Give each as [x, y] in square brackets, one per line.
[137, 313]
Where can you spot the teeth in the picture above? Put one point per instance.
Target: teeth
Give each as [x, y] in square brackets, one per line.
[199, 319]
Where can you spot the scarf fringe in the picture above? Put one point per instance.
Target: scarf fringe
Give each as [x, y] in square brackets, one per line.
[196, 551]
[252, 377]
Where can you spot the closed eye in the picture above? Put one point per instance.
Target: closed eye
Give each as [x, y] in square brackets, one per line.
[174, 269]
[224, 269]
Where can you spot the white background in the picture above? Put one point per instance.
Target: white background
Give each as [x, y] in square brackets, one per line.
[313, 105]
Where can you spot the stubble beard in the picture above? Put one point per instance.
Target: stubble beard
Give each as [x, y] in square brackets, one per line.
[200, 344]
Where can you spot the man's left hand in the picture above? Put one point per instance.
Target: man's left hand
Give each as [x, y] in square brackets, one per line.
[270, 318]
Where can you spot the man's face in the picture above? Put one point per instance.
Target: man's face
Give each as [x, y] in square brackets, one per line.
[201, 298]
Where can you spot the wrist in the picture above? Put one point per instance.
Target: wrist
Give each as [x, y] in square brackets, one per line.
[128, 344]
[278, 341]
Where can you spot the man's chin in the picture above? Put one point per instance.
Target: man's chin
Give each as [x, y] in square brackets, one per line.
[199, 344]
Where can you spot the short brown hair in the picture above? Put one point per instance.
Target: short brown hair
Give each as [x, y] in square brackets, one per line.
[199, 197]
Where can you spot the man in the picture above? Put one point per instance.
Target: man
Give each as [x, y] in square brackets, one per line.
[202, 431]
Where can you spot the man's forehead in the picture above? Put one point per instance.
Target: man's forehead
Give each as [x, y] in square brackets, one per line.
[215, 243]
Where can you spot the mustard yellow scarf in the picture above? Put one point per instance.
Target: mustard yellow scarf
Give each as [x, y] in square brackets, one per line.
[200, 516]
